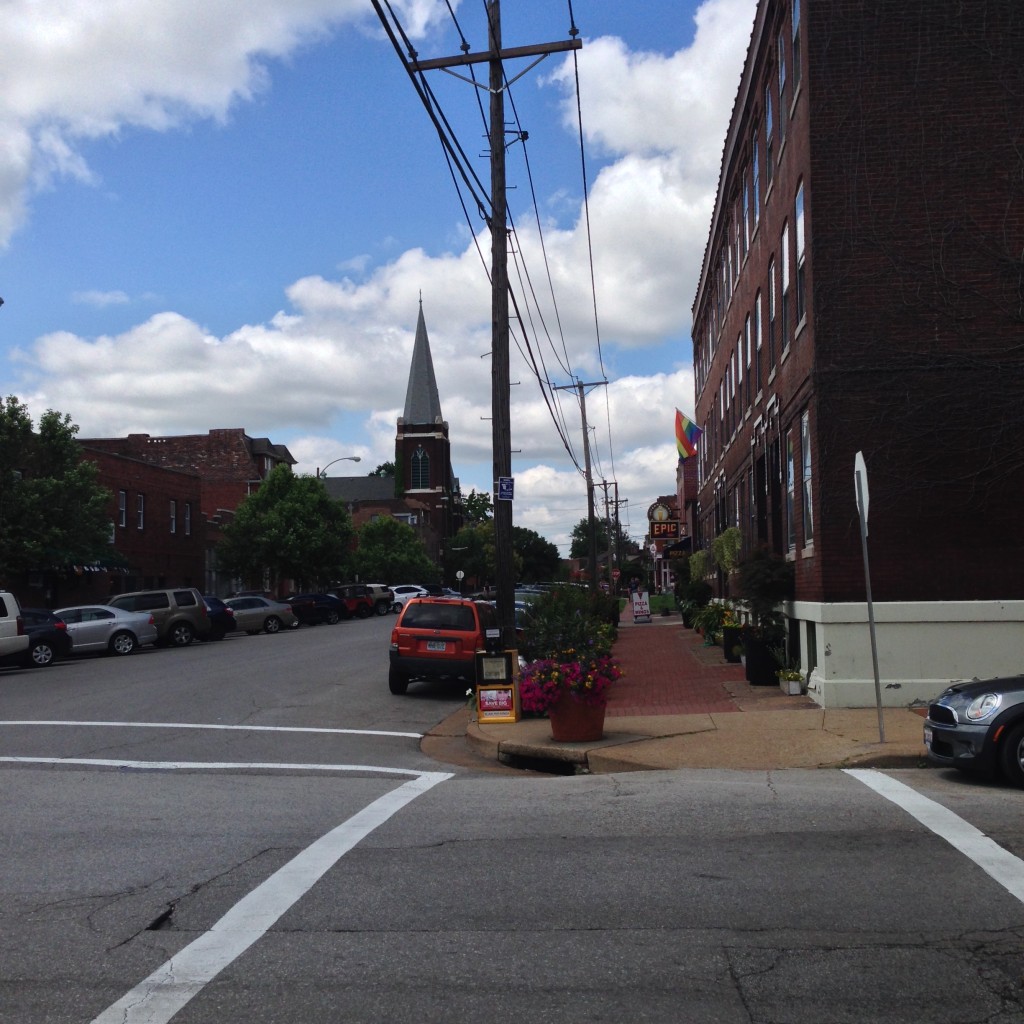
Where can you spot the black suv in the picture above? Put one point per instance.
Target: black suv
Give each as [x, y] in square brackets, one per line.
[48, 639]
[312, 609]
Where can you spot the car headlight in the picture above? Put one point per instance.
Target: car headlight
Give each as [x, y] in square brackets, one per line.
[983, 707]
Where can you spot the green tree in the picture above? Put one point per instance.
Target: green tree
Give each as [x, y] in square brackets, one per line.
[290, 529]
[472, 552]
[52, 509]
[477, 508]
[384, 469]
[581, 539]
[390, 551]
[539, 557]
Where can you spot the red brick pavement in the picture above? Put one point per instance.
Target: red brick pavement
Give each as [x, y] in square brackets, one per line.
[668, 671]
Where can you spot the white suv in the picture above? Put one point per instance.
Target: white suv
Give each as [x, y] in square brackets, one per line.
[13, 638]
[403, 592]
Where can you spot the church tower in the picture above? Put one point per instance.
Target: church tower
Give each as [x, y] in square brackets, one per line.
[423, 469]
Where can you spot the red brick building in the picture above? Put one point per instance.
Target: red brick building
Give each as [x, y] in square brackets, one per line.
[171, 495]
[861, 291]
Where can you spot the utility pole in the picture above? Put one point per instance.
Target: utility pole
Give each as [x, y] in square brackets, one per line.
[591, 522]
[501, 429]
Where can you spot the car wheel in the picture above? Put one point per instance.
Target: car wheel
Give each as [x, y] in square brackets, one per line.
[272, 624]
[181, 634]
[382, 607]
[333, 618]
[122, 643]
[396, 607]
[41, 654]
[365, 611]
[1011, 755]
[398, 682]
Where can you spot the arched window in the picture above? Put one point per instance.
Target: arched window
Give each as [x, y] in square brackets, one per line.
[420, 470]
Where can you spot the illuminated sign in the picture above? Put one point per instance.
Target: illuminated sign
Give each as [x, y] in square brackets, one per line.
[665, 530]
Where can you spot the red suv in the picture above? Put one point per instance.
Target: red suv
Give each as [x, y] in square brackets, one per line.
[438, 637]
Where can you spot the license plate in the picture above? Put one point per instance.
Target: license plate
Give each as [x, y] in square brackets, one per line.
[436, 645]
[927, 736]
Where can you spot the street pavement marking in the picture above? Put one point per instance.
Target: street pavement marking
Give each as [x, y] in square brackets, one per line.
[1000, 864]
[245, 728]
[163, 766]
[160, 996]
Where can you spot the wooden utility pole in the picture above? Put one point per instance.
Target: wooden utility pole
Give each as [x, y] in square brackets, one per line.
[501, 428]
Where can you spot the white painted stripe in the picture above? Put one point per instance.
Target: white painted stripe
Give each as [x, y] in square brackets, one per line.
[240, 728]
[1000, 864]
[98, 762]
[158, 998]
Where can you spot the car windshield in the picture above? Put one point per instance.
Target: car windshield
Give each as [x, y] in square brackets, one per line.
[439, 616]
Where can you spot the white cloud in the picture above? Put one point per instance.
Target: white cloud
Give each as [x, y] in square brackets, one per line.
[100, 299]
[341, 348]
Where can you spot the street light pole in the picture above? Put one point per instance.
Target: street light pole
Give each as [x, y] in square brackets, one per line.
[322, 473]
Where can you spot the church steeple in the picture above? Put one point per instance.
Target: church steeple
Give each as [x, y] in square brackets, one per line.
[422, 402]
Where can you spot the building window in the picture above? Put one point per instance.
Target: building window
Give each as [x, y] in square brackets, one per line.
[805, 458]
[769, 138]
[782, 86]
[757, 344]
[790, 492]
[800, 294]
[796, 43]
[755, 177]
[140, 511]
[122, 508]
[174, 516]
[746, 356]
[745, 233]
[771, 315]
[188, 518]
[420, 470]
[784, 305]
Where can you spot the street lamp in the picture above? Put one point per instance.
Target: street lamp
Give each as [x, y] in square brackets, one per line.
[322, 473]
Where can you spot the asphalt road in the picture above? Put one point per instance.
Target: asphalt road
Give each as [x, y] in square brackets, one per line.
[249, 831]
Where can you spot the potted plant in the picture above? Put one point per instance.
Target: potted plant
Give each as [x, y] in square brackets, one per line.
[569, 669]
[573, 694]
[791, 680]
[766, 579]
[709, 621]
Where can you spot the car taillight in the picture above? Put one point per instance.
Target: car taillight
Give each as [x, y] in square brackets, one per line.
[21, 626]
[60, 624]
[152, 621]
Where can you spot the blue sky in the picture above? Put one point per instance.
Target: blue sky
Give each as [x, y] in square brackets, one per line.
[223, 214]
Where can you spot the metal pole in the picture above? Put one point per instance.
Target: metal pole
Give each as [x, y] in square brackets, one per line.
[871, 609]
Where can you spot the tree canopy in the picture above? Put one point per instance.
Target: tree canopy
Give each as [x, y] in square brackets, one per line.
[540, 558]
[581, 538]
[389, 552]
[290, 529]
[384, 469]
[52, 509]
[477, 507]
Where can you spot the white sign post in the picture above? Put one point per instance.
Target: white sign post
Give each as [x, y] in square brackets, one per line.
[860, 479]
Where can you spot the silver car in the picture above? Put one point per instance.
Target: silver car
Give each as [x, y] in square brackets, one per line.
[100, 628]
[260, 614]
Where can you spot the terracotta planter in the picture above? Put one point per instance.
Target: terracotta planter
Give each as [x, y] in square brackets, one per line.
[572, 721]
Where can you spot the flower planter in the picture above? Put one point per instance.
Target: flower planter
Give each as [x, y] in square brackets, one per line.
[791, 687]
[761, 664]
[573, 721]
[732, 643]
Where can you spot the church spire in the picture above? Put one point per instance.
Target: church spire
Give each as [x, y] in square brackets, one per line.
[422, 402]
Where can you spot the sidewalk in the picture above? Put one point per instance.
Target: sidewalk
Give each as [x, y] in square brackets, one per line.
[682, 705]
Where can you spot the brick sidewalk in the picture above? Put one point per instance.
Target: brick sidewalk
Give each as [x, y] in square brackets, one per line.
[668, 671]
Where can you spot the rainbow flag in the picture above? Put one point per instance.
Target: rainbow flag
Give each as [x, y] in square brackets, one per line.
[687, 436]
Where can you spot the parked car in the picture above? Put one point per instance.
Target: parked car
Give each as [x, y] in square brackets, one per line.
[13, 638]
[103, 628]
[438, 637]
[261, 615]
[403, 592]
[313, 609]
[382, 598]
[180, 614]
[979, 726]
[356, 599]
[222, 618]
[48, 638]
